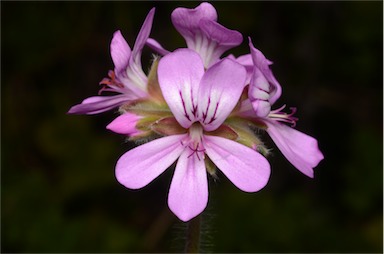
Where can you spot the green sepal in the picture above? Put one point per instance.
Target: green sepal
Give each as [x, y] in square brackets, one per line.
[247, 133]
[224, 131]
[154, 90]
[167, 126]
[149, 108]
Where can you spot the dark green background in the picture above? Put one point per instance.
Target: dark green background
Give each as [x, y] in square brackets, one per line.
[59, 193]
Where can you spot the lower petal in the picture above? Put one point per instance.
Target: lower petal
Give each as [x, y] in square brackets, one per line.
[300, 149]
[98, 104]
[139, 166]
[247, 169]
[188, 194]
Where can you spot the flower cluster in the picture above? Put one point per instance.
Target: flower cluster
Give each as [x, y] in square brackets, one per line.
[199, 109]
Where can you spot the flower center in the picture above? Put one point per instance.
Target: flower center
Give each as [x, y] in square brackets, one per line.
[195, 141]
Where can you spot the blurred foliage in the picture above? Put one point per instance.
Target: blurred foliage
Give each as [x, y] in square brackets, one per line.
[59, 193]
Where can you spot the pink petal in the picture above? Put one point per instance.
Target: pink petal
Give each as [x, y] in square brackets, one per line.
[99, 104]
[125, 124]
[203, 34]
[120, 52]
[245, 168]
[223, 36]
[134, 77]
[188, 194]
[259, 93]
[300, 149]
[153, 44]
[246, 61]
[216, 39]
[262, 64]
[186, 21]
[139, 166]
[261, 108]
[142, 37]
[219, 92]
[179, 75]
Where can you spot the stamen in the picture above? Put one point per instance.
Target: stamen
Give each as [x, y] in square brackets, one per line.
[110, 84]
[196, 150]
[284, 117]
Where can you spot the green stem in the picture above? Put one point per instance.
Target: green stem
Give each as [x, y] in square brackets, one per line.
[192, 244]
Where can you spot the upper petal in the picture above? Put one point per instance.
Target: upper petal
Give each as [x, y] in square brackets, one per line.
[188, 194]
[223, 36]
[120, 52]
[300, 149]
[245, 168]
[99, 104]
[179, 75]
[134, 77]
[262, 64]
[203, 34]
[246, 61]
[219, 92]
[139, 166]
[259, 93]
[155, 45]
[186, 21]
[142, 37]
[215, 40]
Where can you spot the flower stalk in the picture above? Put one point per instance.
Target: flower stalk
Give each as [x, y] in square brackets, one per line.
[193, 235]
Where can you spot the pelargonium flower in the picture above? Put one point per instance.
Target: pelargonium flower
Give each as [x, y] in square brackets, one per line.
[195, 135]
[300, 149]
[202, 33]
[127, 80]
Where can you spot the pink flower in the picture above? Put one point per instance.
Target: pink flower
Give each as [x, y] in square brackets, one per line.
[200, 101]
[127, 80]
[202, 33]
[300, 149]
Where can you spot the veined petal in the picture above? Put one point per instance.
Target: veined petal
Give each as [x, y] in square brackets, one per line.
[120, 52]
[99, 104]
[203, 34]
[216, 39]
[139, 166]
[259, 93]
[155, 45]
[188, 194]
[245, 168]
[186, 21]
[262, 64]
[142, 37]
[125, 124]
[136, 80]
[179, 75]
[246, 61]
[219, 92]
[223, 36]
[300, 149]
